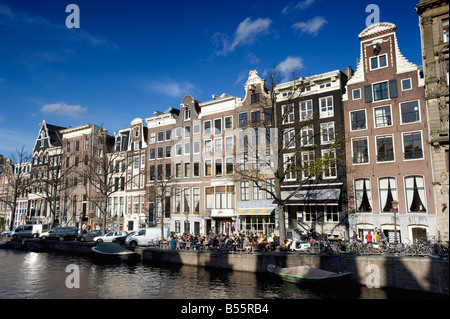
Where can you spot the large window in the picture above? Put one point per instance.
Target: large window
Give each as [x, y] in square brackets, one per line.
[242, 119]
[257, 192]
[306, 111]
[329, 164]
[327, 132]
[360, 149]
[308, 168]
[244, 191]
[380, 91]
[290, 167]
[382, 116]
[363, 195]
[196, 200]
[289, 138]
[358, 120]
[288, 113]
[412, 145]
[415, 194]
[388, 192]
[307, 136]
[385, 148]
[207, 127]
[410, 112]
[326, 107]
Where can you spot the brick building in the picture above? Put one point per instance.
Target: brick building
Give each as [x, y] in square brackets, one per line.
[386, 129]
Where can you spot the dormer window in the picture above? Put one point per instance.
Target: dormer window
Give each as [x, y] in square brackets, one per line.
[254, 98]
[378, 62]
[136, 132]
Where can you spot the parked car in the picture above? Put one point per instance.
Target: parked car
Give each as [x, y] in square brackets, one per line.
[7, 233]
[27, 231]
[109, 237]
[90, 235]
[61, 233]
[121, 240]
[144, 236]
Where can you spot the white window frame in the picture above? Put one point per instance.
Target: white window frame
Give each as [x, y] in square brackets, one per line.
[368, 150]
[421, 146]
[353, 94]
[401, 114]
[307, 113]
[328, 125]
[323, 153]
[410, 84]
[376, 148]
[329, 109]
[378, 62]
[375, 116]
[350, 119]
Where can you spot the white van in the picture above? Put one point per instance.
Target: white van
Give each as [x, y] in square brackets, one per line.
[144, 236]
[27, 231]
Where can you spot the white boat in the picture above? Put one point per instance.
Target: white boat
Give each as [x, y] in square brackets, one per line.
[114, 252]
[306, 274]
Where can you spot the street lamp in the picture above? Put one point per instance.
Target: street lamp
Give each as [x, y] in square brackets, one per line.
[395, 210]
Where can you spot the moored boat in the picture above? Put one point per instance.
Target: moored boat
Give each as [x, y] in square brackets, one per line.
[306, 274]
[114, 252]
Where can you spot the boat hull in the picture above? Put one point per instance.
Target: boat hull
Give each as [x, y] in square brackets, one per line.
[114, 253]
[305, 274]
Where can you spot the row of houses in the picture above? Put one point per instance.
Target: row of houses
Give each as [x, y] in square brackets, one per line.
[336, 152]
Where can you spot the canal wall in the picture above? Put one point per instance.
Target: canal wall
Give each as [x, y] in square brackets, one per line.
[414, 273]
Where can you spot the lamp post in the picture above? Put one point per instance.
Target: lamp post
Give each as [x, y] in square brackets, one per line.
[395, 210]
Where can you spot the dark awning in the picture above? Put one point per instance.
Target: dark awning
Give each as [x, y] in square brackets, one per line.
[328, 196]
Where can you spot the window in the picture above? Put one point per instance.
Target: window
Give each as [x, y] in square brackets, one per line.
[218, 166]
[209, 195]
[242, 119]
[187, 148]
[288, 113]
[177, 196]
[152, 137]
[178, 149]
[196, 128]
[255, 116]
[289, 167]
[380, 91]
[168, 149]
[445, 32]
[196, 147]
[196, 200]
[356, 94]
[306, 111]
[217, 126]
[410, 112]
[196, 169]
[326, 107]
[307, 135]
[270, 186]
[228, 123]
[412, 145]
[358, 120]
[187, 170]
[382, 116]
[388, 192]
[187, 114]
[86, 144]
[229, 166]
[218, 145]
[229, 143]
[208, 148]
[406, 84]
[327, 132]
[325, 85]
[308, 164]
[360, 150]
[208, 168]
[160, 152]
[160, 136]
[329, 164]
[289, 138]
[178, 170]
[168, 171]
[207, 127]
[378, 62]
[243, 161]
[257, 192]
[415, 194]
[254, 98]
[385, 148]
[168, 134]
[244, 191]
[363, 195]
[77, 146]
[187, 131]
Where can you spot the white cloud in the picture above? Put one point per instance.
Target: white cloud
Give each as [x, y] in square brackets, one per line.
[246, 33]
[170, 87]
[289, 66]
[302, 5]
[63, 109]
[311, 26]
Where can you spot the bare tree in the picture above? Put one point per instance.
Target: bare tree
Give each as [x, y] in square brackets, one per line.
[271, 147]
[17, 180]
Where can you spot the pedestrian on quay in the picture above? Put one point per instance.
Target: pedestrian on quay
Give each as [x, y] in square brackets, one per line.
[173, 243]
[369, 240]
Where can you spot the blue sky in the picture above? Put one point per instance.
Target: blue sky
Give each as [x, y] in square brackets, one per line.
[130, 58]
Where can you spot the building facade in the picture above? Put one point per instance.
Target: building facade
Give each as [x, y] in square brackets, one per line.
[434, 29]
[388, 154]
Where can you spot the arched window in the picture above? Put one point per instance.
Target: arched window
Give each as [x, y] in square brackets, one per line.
[415, 194]
[388, 193]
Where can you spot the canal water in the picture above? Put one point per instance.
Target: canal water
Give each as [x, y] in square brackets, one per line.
[48, 275]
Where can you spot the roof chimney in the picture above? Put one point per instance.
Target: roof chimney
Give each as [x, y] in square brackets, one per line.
[349, 72]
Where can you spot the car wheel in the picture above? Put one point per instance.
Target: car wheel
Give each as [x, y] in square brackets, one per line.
[35, 235]
[44, 237]
[99, 241]
[133, 244]
[82, 239]
[61, 238]
[14, 236]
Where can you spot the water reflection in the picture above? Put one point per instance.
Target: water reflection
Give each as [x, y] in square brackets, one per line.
[43, 275]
